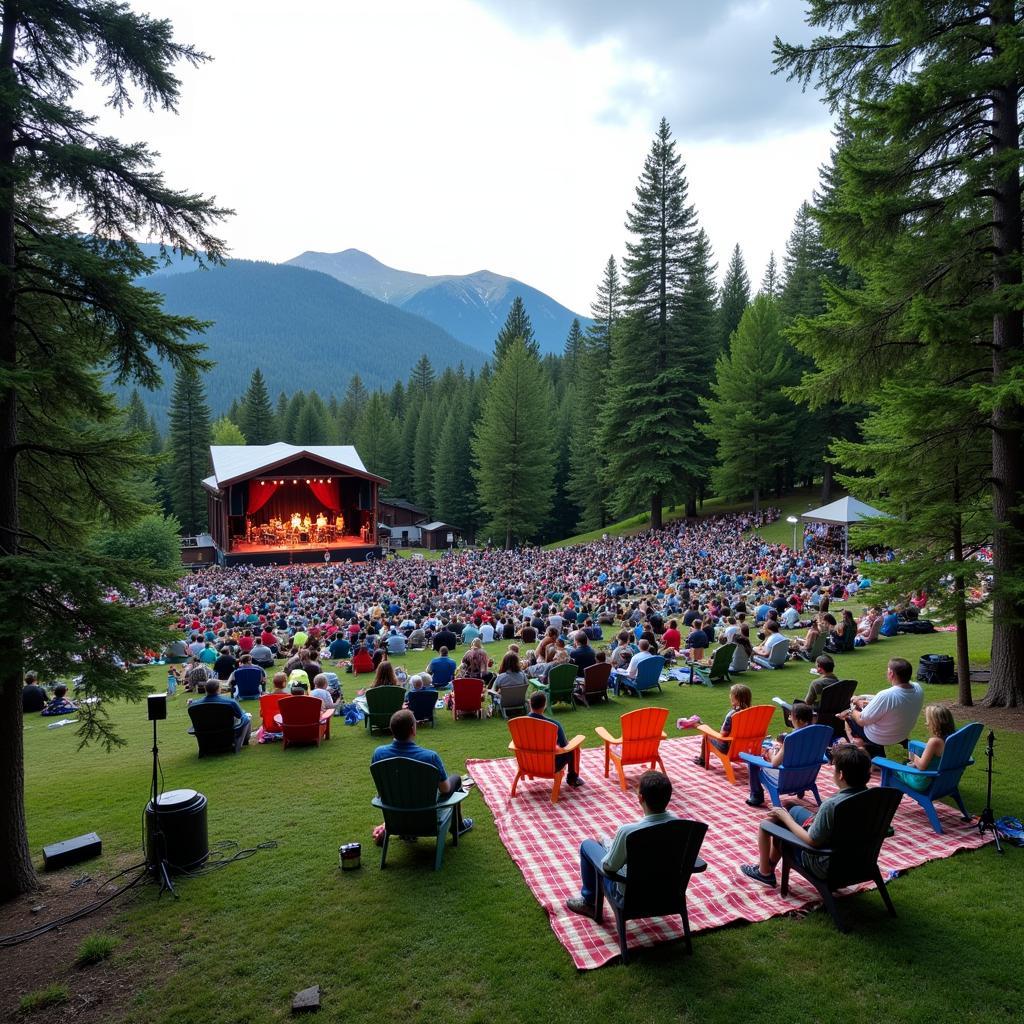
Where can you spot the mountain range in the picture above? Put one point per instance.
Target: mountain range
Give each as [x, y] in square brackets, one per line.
[471, 307]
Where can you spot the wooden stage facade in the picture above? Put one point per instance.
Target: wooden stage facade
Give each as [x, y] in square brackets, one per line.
[350, 549]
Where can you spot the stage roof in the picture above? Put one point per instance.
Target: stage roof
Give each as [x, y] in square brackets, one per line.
[843, 512]
[234, 462]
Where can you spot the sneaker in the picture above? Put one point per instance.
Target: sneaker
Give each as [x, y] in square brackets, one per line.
[467, 824]
[575, 783]
[751, 802]
[699, 762]
[578, 905]
[751, 871]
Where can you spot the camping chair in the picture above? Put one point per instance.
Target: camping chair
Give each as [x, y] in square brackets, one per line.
[818, 647]
[304, 720]
[779, 656]
[834, 698]
[803, 756]
[269, 709]
[468, 698]
[648, 676]
[595, 683]
[511, 698]
[362, 662]
[862, 823]
[945, 779]
[560, 685]
[248, 682]
[422, 704]
[213, 726]
[746, 735]
[642, 733]
[661, 858]
[381, 703]
[718, 671]
[407, 794]
[535, 744]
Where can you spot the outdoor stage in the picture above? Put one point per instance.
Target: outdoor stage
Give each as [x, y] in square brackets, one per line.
[348, 549]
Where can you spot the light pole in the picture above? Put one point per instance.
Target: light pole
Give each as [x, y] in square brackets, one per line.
[792, 520]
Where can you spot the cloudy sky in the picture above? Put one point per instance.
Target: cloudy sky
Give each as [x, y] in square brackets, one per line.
[447, 136]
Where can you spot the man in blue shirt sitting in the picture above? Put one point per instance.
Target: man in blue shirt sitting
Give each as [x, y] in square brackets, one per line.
[243, 720]
[442, 669]
[610, 855]
[403, 744]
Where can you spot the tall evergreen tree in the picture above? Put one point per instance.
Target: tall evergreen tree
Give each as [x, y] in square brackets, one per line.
[257, 418]
[648, 427]
[605, 310]
[423, 454]
[454, 491]
[189, 443]
[376, 438]
[422, 375]
[734, 297]
[929, 211]
[311, 427]
[512, 447]
[356, 396]
[517, 325]
[807, 263]
[396, 401]
[574, 349]
[292, 416]
[770, 283]
[749, 414]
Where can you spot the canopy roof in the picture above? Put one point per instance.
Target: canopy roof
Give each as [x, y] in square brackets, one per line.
[235, 462]
[842, 512]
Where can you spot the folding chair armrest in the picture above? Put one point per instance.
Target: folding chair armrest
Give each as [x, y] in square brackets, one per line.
[782, 703]
[755, 759]
[612, 876]
[606, 735]
[895, 766]
[451, 800]
[571, 745]
[788, 837]
[713, 733]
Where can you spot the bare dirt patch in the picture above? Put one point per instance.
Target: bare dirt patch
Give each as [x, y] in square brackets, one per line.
[996, 719]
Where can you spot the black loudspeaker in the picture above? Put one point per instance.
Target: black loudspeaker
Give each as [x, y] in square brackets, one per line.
[365, 496]
[238, 500]
[936, 668]
[156, 705]
[71, 851]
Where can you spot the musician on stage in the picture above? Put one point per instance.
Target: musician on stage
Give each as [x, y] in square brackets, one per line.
[339, 522]
[321, 521]
[296, 521]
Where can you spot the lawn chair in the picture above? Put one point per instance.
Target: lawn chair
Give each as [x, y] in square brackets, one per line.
[945, 778]
[648, 676]
[213, 726]
[595, 683]
[746, 735]
[269, 709]
[511, 700]
[560, 685]
[803, 756]
[718, 672]
[862, 823]
[304, 720]
[407, 794]
[422, 703]
[381, 703]
[248, 682]
[662, 858]
[535, 744]
[818, 647]
[779, 656]
[468, 698]
[642, 733]
[834, 698]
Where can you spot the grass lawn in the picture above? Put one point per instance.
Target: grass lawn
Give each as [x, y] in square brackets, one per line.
[470, 943]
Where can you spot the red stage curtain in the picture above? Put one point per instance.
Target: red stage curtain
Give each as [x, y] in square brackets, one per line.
[327, 493]
[260, 492]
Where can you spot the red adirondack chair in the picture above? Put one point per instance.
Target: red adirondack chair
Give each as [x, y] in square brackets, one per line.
[535, 744]
[642, 733]
[468, 698]
[304, 720]
[270, 708]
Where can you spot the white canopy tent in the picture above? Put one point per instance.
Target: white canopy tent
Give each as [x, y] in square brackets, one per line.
[842, 513]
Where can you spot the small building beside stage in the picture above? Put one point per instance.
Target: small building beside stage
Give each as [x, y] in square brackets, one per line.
[439, 536]
[281, 503]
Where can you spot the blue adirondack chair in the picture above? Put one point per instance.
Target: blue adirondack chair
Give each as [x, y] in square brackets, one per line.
[422, 704]
[945, 779]
[802, 760]
[648, 676]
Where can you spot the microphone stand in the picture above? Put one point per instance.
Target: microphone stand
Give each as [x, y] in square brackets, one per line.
[987, 820]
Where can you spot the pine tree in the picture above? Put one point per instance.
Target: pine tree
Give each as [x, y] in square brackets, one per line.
[734, 297]
[292, 416]
[928, 211]
[423, 453]
[454, 492]
[517, 325]
[770, 283]
[189, 444]
[606, 310]
[422, 375]
[749, 415]
[356, 397]
[225, 431]
[376, 437]
[257, 418]
[648, 427]
[402, 485]
[513, 461]
[311, 427]
[396, 401]
[574, 349]
[807, 263]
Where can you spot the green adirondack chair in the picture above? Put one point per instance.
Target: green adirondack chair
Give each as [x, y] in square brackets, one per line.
[383, 702]
[718, 672]
[407, 795]
[560, 685]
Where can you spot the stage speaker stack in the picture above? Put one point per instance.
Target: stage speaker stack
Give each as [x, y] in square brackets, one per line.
[176, 830]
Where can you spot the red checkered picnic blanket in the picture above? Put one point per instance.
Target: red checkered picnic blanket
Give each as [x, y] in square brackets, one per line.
[544, 839]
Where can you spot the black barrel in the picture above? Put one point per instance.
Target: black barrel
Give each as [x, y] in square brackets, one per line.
[176, 830]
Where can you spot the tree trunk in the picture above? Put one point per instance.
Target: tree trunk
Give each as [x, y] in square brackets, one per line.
[963, 661]
[1007, 686]
[656, 511]
[826, 483]
[691, 506]
[757, 499]
[16, 872]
